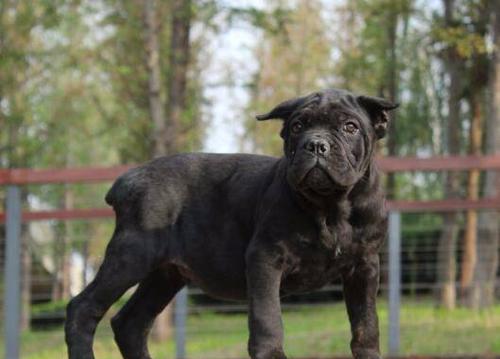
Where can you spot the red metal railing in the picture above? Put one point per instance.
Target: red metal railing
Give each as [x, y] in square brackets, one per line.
[387, 164]
[450, 163]
[25, 176]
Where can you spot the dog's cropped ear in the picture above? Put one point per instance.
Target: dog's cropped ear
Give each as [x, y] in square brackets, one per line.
[378, 110]
[284, 109]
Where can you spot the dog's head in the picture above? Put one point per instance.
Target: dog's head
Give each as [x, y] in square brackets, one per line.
[329, 138]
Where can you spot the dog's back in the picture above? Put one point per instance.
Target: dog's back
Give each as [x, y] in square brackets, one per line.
[156, 192]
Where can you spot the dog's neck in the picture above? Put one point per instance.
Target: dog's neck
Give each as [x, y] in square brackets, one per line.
[367, 191]
[330, 212]
[368, 217]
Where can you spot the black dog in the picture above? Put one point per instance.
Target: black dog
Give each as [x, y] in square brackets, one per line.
[249, 227]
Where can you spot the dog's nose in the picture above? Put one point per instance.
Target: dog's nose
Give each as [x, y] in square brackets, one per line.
[317, 146]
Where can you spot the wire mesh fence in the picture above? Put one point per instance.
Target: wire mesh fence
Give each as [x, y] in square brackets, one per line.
[64, 256]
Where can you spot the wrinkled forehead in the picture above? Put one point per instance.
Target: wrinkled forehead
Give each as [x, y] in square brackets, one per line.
[330, 107]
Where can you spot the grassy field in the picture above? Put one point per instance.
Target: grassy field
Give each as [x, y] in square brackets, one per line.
[321, 331]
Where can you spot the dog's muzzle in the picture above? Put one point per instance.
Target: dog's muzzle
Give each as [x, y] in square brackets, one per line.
[317, 146]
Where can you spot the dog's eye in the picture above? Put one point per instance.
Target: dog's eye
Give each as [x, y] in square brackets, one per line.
[350, 127]
[297, 127]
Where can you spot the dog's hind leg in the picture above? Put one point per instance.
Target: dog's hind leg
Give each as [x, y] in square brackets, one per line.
[133, 322]
[129, 257]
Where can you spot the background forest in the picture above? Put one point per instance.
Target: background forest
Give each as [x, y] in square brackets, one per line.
[106, 82]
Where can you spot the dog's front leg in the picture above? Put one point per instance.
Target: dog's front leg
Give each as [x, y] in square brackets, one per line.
[263, 286]
[360, 291]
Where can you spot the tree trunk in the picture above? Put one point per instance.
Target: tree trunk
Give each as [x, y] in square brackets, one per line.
[85, 264]
[446, 261]
[178, 70]
[446, 266]
[62, 263]
[167, 132]
[161, 328]
[392, 86]
[156, 104]
[469, 249]
[56, 293]
[66, 254]
[477, 86]
[483, 286]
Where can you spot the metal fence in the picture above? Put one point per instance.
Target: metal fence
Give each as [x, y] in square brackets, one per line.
[411, 321]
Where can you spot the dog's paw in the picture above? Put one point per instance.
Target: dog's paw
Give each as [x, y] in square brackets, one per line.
[365, 354]
[276, 356]
[273, 354]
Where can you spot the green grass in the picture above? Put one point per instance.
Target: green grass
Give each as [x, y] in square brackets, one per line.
[315, 330]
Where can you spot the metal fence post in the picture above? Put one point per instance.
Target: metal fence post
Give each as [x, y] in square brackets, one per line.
[394, 281]
[180, 315]
[12, 293]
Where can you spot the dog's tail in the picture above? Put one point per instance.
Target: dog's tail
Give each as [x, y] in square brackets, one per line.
[127, 188]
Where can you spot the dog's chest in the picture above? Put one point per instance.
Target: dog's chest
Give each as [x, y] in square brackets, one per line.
[312, 264]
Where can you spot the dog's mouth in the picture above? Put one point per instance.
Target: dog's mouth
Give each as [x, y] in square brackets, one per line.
[318, 180]
[315, 177]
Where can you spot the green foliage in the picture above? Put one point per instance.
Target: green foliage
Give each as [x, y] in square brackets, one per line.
[273, 21]
[466, 35]
[55, 306]
[292, 61]
[465, 43]
[129, 77]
